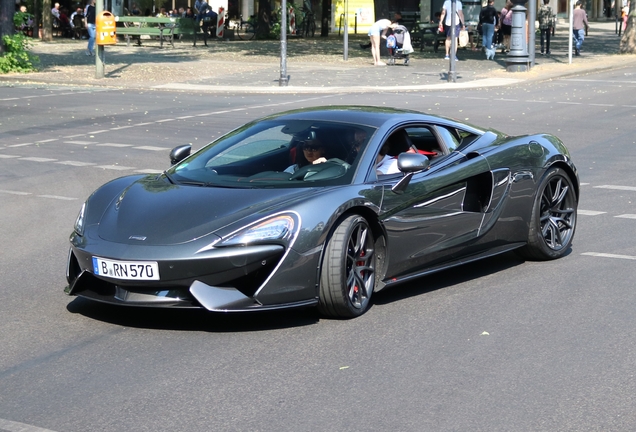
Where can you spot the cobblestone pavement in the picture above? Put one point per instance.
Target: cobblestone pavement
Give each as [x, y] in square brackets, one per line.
[313, 65]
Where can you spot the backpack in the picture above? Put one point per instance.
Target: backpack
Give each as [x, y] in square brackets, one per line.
[391, 42]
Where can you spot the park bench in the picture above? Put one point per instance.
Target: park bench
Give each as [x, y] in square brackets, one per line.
[164, 29]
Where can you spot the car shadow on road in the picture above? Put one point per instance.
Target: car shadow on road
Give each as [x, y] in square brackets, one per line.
[447, 278]
[191, 319]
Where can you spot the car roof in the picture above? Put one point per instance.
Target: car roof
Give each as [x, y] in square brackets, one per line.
[362, 115]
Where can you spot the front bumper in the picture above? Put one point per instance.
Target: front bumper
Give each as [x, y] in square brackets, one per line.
[224, 279]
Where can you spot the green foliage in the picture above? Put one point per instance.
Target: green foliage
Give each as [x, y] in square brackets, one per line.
[19, 18]
[16, 57]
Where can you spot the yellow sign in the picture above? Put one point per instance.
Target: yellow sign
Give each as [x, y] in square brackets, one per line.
[361, 15]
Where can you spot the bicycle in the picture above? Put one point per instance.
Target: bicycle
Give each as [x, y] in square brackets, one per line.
[245, 30]
[308, 25]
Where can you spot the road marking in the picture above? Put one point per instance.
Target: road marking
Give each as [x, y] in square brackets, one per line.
[151, 148]
[79, 142]
[625, 188]
[20, 145]
[606, 255]
[143, 124]
[12, 426]
[74, 136]
[47, 140]
[185, 117]
[115, 167]
[601, 105]
[507, 100]
[114, 145]
[121, 127]
[38, 159]
[164, 120]
[590, 212]
[14, 192]
[571, 103]
[536, 101]
[4, 156]
[627, 216]
[58, 197]
[76, 163]
[96, 132]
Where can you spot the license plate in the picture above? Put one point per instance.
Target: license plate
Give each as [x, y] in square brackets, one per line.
[127, 270]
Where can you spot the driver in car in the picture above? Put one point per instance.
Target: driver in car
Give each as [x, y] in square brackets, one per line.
[313, 153]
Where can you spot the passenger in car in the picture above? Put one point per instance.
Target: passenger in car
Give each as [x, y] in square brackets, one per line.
[385, 163]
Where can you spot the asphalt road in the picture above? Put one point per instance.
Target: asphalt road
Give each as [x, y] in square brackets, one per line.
[499, 345]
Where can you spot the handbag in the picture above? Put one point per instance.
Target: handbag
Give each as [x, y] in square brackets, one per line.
[463, 38]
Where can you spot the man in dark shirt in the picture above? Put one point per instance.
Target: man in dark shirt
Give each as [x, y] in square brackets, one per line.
[488, 22]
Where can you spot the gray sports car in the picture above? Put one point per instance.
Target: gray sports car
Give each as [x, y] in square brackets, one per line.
[321, 207]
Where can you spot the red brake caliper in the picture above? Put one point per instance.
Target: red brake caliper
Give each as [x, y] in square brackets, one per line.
[360, 263]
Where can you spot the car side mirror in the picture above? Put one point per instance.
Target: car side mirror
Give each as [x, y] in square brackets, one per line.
[180, 153]
[409, 164]
[412, 162]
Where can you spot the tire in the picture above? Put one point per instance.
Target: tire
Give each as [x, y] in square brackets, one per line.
[347, 275]
[553, 219]
[246, 31]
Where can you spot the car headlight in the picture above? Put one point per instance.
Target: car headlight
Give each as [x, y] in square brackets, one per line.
[280, 227]
[79, 222]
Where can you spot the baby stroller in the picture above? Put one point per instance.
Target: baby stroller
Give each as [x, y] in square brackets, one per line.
[398, 44]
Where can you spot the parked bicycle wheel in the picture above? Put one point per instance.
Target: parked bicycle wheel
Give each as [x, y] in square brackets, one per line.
[246, 31]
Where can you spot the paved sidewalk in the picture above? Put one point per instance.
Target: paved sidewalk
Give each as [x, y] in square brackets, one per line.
[314, 65]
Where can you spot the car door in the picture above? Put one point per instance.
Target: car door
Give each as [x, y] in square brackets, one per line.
[440, 211]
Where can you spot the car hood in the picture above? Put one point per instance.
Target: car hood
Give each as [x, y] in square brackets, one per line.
[156, 213]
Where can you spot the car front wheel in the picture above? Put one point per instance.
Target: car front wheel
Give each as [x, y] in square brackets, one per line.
[553, 219]
[347, 276]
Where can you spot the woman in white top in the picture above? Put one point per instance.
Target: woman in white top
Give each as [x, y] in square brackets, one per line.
[376, 32]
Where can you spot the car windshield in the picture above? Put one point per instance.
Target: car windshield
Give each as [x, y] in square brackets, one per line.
[276, 153]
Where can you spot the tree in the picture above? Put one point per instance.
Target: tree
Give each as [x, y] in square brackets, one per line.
[628, 41]
[47, 21]
[264, 19]
[7, 9]
[325, 13]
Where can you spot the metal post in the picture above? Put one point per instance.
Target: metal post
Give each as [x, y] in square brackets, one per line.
[571, 30]
[345, 51]
[452, 74]
[99, 58]
[282, 82]
[532, 16]
[517, 59]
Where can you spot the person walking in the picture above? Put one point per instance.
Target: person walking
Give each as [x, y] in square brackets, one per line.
[89, 19]
[445, 25]
[546, 18]
[579, 27]
[488, 22]
[506, 25]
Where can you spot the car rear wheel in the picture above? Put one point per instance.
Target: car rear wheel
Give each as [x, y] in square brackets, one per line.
[347, 276]
[553, 220]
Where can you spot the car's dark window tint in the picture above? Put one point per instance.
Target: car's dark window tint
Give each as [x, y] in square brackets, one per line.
[272, 153]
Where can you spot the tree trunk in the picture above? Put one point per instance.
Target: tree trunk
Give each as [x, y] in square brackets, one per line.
[264, 19]
[7, 9]
[628, 41]
[381, 9]
[47, 21]
[325, 21]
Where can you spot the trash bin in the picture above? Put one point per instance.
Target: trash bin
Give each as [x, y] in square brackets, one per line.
[105, 28]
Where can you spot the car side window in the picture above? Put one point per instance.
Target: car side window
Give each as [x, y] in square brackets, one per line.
[451, 140]
[425, 141]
